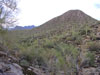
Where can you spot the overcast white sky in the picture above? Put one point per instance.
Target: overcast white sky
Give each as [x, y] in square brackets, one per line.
[37, 12]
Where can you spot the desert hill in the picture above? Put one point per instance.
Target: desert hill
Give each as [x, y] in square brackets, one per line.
[66, 20]
[65, 45]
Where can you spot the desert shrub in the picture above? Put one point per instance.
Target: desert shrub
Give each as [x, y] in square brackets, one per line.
[91, 58]
[24, 63]
[66, 50]
[72, 37]
[48, 44]
[85, 30]
[67, 55]
[92, 36]
[78, 40]
[93, 46]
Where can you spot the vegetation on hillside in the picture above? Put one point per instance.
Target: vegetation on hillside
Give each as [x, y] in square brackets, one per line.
[57, 48]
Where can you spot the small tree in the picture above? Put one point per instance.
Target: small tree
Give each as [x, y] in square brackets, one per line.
[7, 12]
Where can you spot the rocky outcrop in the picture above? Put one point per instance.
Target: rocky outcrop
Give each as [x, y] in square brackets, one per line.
[10, 69]
[7, 66]
[33, 71]
[88, 68]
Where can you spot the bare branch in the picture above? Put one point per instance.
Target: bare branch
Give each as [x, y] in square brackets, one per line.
[7, 12]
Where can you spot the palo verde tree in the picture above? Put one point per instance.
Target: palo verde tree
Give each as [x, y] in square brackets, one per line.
[8, 12]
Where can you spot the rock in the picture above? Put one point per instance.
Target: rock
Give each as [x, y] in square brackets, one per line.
[85, 64]
[28, 71]
[7, 67]
[98, 36]
[17, 66]
[10, 69]
[33, 71]
[2, 54]
[8, 74]
[24, 63]
[91, 71]
[13, 59]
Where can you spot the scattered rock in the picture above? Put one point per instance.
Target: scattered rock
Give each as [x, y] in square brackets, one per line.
[7, 67]
[91, 71]
[10, 69]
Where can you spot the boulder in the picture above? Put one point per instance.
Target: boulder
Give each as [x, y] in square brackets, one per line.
[10, 69]
[7, 67]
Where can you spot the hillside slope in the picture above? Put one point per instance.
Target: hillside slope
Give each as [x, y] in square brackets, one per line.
[59, 24]
[66, 45]
[66, 20]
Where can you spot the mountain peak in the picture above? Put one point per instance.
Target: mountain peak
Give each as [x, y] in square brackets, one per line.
[77, 16]
[22, 28]
[70, 17]
[74, 13]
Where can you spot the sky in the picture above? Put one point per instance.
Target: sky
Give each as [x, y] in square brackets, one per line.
[37, 12]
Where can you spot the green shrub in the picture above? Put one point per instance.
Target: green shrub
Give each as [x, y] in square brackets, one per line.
[91, 58]
[48, 44]
[85, 30]
[78, 40]
[24, 63]
[92, 36]
[93, 46]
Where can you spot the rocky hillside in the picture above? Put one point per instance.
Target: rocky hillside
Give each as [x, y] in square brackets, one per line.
[66, 45]
[66, 20]
[8, 65]
[72, 17]
[59, 24]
